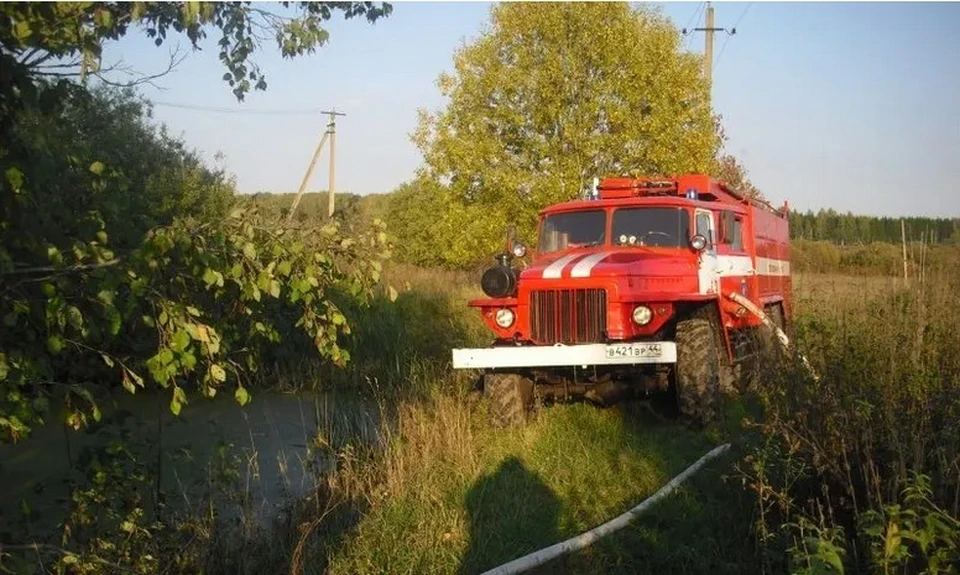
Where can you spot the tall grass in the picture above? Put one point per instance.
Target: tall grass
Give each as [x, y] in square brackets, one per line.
[863, 464]
[834, 465]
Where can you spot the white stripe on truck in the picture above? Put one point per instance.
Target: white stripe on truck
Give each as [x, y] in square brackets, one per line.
[553, 270]
[727, 266]
[583, 267]
[772, 267]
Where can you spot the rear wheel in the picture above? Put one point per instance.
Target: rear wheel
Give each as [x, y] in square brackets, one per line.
[750, 370]
[509, 398]
[771, 339]
[699, 368]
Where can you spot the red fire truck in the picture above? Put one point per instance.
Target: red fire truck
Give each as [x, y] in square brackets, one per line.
[643, 285]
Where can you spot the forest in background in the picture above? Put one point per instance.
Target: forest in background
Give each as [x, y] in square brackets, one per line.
[826, 224]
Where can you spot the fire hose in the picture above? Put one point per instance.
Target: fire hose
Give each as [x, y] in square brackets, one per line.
[586, 539]
[782, 337]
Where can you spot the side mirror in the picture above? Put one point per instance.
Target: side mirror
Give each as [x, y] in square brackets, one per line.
[518, 250]
[698, 242]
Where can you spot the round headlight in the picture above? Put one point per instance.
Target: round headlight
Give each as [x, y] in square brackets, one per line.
[504, 317]
[698, 242]
[642, 315]
[519, 250]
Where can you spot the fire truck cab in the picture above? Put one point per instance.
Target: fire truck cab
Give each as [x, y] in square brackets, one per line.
[633, 289]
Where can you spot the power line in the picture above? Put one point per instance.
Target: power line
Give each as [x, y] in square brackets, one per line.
[260, 111]
[693, 18]
[727, 39]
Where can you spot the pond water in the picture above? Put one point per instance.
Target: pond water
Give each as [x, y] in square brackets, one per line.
[274, 437]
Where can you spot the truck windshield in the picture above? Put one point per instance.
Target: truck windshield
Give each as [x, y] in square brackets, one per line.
[572, 229]
[661, 227]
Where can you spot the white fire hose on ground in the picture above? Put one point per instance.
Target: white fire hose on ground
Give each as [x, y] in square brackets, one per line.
[586, 539]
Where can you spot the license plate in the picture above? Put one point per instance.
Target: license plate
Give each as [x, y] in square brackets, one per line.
[634, 350]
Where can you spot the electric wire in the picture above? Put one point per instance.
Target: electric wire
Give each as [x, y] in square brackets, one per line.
[693, 18]
[727, 39]
[255, 111]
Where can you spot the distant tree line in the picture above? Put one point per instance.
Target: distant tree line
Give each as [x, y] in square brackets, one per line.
[846, 229]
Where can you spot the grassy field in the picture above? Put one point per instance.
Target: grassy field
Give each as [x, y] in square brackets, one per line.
[817, 471]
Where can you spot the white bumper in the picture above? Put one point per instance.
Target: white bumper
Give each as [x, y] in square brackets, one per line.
[650, 352]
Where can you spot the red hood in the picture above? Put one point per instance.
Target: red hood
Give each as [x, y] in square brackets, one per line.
[611, 262]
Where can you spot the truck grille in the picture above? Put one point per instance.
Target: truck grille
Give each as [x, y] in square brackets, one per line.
[568, 316]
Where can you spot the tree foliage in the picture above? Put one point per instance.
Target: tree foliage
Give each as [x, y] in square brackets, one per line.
[731, 171]
[65, 38]
[123, 258]
[418, 222]
[548, 97]
[100, 154]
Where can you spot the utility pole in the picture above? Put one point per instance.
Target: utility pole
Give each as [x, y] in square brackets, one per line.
[331, 133]
[708, 29]
[708, 45]
[332, 130]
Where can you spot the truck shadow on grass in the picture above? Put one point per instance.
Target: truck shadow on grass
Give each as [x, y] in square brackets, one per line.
[511, 512]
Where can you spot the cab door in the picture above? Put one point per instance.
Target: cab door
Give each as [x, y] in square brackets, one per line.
[708, 270]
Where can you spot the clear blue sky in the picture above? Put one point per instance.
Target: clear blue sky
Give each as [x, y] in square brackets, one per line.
[852, 106]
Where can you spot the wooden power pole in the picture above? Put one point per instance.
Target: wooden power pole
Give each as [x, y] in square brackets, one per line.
[708, 29]
[331, 133]
[332, 130]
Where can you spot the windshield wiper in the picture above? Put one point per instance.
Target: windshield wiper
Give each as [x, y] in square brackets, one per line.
[586, 245]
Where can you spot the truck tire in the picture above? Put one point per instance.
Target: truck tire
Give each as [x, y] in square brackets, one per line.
[771, 342]
[764, 349]
[751, 370]
[699, 368]
[776, 315]
[509, 398]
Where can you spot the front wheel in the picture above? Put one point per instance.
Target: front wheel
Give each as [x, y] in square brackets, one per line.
[698, 369]
[509, 397]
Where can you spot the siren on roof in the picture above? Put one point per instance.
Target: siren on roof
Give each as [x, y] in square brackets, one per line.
[593, 192]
